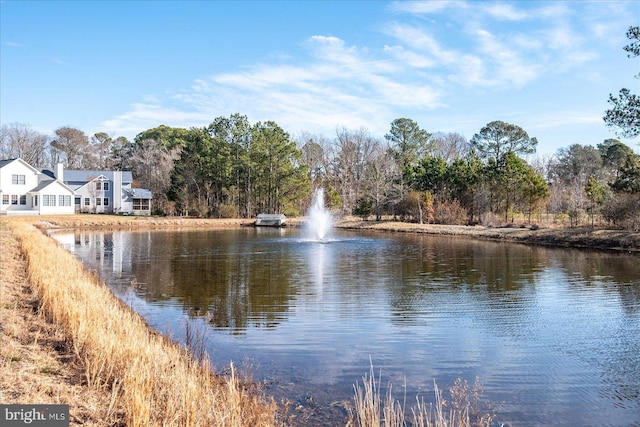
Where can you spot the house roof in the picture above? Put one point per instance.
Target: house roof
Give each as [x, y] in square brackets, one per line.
[6, 162]
[48, 173]
[42, 185]
[86, 176]
[45, 183]
[142, 193]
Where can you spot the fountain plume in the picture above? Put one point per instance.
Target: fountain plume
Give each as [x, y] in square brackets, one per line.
[319, 220]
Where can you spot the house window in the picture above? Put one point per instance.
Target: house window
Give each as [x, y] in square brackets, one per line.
[5, 199]
[105, 201]
[140, 204]
[87, 201]
[98, 201]
[64, 200]
[23, 199]
[105, 186]
[35, 200]
[14, 199]
[18, 179]
[48, 200]
[77, 201]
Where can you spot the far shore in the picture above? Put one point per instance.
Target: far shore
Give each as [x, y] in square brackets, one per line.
[579, 237]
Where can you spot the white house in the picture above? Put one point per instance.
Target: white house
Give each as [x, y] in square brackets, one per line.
[26, 190]
[104, 191]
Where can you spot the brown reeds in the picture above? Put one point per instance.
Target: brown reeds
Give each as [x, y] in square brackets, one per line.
[371, 409]
[154, 381]
[36, 364]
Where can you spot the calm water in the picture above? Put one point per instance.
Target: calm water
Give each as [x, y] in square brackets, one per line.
[553, 335]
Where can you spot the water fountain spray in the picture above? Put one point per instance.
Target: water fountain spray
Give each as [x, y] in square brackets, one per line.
[319, 220]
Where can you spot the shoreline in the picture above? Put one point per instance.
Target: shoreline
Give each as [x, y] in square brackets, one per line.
[562, 237]
[580, 238]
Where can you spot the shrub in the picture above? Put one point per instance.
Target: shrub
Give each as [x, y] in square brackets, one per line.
[449, 213]
[363, 208]
[623, 210]
[419, 206]
[228, 211]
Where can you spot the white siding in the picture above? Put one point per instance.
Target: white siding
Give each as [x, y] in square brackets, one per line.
[59, 193]
[20, 171]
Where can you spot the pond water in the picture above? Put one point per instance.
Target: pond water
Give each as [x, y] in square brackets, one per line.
[552, 334]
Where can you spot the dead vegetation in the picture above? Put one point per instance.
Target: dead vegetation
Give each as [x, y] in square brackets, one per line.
[37, 364]
[139, 377]
[464, 408]
[592, 238]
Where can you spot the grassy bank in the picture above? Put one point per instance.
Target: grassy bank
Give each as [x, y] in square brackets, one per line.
[130, 222]
[148, 379]
[37, 363]
[619, 240]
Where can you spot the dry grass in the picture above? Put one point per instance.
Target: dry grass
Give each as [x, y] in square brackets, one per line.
[130, 222]
[150, 380]
[462, 410]
[36, 361]
[620, 240]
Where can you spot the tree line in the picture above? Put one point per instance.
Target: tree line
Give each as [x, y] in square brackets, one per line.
[233, 168]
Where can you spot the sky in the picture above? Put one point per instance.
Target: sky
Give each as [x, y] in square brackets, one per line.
[314, 67]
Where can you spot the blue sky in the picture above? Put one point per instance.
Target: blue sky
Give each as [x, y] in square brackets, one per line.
[315, 66]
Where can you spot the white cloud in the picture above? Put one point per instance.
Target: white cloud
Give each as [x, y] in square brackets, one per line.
[410, 58]
[146, 116]
[561, 38]
[338, 85]
[506, 11]
[509, 65]
[425, 7]
[553, 10]
[418, 39]
[460, 67]
[472, 72]
[565, 118]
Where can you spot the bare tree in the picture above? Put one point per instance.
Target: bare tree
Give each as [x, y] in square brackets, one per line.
[355, 148]
[152, 165]
[380, 171]
[449, 146]
[569, 175]
[316, 154]
[18, 140]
